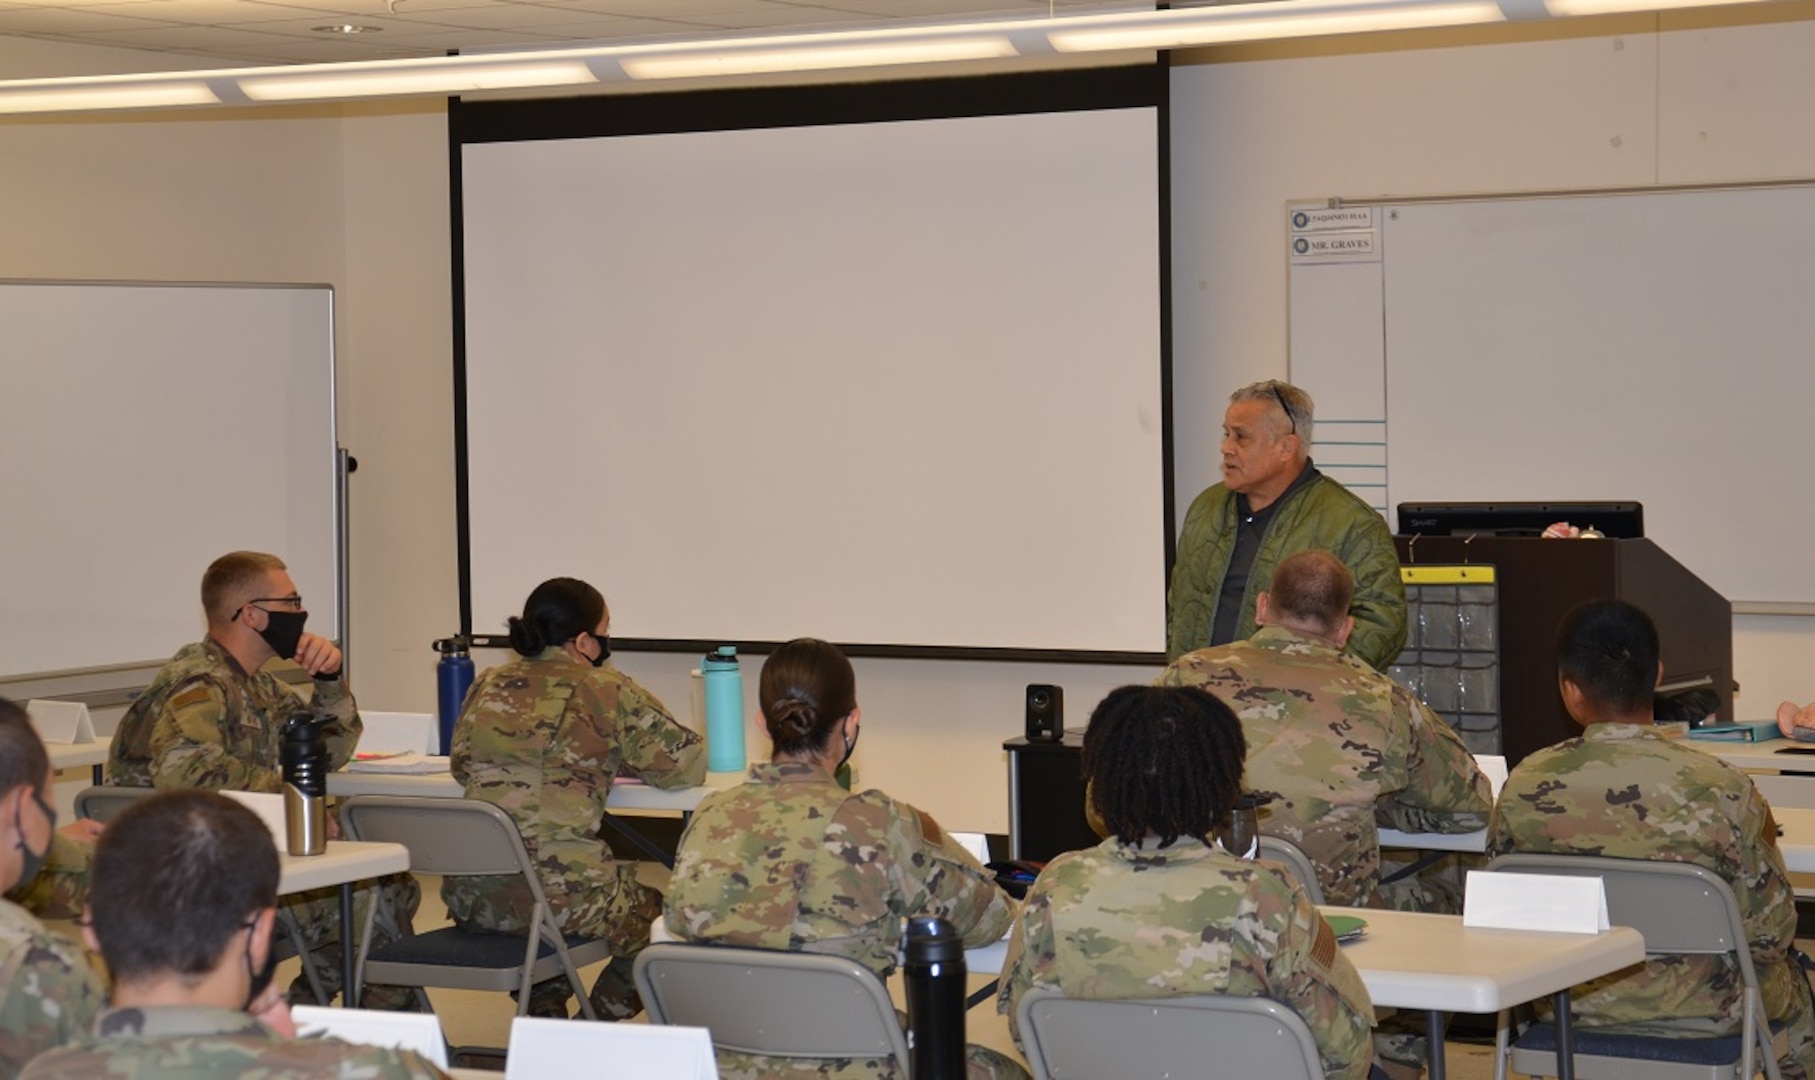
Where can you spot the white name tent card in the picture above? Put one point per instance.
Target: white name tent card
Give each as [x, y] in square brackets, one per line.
[541, 1048]
[420, 1032]
[61, 721]
[1493, 766]
[270, 809]
[1575, 905]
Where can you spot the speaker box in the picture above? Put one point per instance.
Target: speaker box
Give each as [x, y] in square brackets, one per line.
[1045, 712]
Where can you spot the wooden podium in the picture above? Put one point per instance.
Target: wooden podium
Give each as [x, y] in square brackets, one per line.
[1540, 580]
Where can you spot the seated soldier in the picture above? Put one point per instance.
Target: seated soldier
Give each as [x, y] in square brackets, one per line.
[181, 904]
[48, 992]
[214, 719]
[1623, 791]
[1130, 918]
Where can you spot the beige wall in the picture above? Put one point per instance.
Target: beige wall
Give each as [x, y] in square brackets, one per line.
[358, 197]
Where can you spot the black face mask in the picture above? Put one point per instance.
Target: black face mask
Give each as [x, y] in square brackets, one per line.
[261, 978]
[30, 862]
[283, 631]
[604, 644]
[850, 745]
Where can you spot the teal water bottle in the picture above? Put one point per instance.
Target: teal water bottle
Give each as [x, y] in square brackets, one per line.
[724, 710]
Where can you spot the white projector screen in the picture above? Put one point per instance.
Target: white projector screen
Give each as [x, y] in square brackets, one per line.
[151, 428]
[888, 383]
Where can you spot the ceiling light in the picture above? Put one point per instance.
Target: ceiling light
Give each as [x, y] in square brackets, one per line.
[347, 81]
[348, 28]
[815, 57]
[1261, 21]
[78, 98]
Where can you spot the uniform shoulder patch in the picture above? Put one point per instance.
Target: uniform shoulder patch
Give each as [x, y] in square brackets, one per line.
[928, 827]
[1323, 950]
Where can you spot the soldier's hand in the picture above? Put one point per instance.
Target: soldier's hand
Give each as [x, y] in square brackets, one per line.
[318, 655]
[273, 1011]
[83, 830]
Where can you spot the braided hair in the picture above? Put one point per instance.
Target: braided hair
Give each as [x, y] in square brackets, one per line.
[1163, 761]
[806, 690]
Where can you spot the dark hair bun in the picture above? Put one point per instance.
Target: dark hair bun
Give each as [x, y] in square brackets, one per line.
[792, 720]
[525, 637]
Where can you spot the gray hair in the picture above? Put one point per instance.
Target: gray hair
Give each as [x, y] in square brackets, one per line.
[1295, 403]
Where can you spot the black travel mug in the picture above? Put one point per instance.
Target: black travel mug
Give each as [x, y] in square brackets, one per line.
[933, 976]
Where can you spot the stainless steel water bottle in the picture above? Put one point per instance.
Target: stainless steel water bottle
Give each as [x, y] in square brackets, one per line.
[305, 761]
[933, 978]
[724, 710]
[453, 677]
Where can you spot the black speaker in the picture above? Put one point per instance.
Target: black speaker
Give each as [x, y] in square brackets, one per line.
[1045, 712]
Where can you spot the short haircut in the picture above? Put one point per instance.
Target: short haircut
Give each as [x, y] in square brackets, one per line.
[175, 876]
[1163, 761]
[1609, 649]
[233, 579]
[22, 756]
[1312, 587]
[807, 688]
[558, 610]
[1297, 406]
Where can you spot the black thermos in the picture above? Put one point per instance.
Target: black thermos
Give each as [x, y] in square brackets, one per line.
[934, 979]
[305, 760]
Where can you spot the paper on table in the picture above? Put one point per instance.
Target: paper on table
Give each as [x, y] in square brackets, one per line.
[1493, 766]
[1575, 905]
[420, 1032]
[61, 721]
[540, 1047]
[399, 763]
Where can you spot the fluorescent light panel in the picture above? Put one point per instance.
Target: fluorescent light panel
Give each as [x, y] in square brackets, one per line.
[1261, 21]
[80, 98]
[332, 81]
[811, 57]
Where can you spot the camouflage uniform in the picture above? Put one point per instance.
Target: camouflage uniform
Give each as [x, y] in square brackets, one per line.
[204, 723]
[791, 861]
[1121, 921]
[1343, 749]
[1623, 791]
[48, 992]
[61, 887]
[542, 737]
[195, 1042]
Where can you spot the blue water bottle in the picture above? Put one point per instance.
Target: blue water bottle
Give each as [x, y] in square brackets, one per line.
[453, 677]
[724, 710]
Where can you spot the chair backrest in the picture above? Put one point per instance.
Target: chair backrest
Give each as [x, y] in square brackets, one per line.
[1292, 857]
[1678, 907]
[542, 1048]
[761, 1001]
[449, 837]
[104, 803]
[1244, 1037]
[420, 1032]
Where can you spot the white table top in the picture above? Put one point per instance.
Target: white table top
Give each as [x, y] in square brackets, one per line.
[344, 861]
[442, 785]
[77, 755]
[1798, 840]
[1413, 961]
[1763, 756]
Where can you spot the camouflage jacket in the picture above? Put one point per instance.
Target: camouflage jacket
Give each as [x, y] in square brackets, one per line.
[48, 991]
[1343, 750]
[542, 737]
[1119, 921]
[1321, 514]
[205, 723]
[194, 1042]
[790, 860]
[1623, 791]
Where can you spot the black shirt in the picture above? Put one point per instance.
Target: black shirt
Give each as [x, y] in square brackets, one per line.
[1250, 529]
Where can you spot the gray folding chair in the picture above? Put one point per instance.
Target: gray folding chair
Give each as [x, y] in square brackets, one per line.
[780, 1004]
[452, 838]
[1292, 857]
[104, 802]
[1679, 908]
[1247, 1038]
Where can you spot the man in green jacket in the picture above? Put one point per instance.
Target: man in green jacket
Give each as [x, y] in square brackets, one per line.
[1273, 502]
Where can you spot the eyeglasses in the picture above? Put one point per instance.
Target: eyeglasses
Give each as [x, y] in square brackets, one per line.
[1283, 407]
[293, 602]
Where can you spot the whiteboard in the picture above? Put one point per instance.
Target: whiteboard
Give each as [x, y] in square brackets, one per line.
[893, 383]
[1657, 346]
[149, 429]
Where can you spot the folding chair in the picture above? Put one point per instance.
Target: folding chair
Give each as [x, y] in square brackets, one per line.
[452, 838]
[1292, 857]
[773, 1003]
[104, 802]
[1679, 908]
[1241, 1038]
